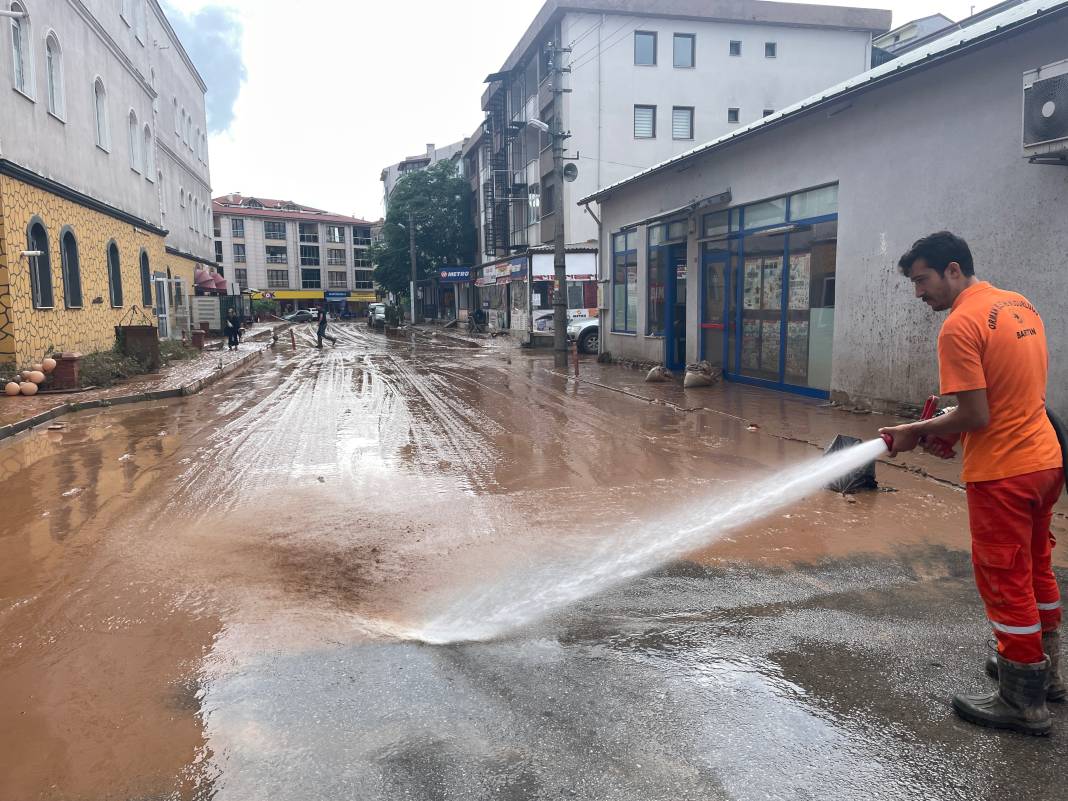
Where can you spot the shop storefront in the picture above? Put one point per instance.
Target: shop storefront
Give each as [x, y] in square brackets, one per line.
[454, 291]
[767, 290]
[581, 270]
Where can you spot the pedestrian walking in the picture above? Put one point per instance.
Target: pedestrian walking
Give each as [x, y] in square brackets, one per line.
[992, 356]
[232, 328]
[321, 332]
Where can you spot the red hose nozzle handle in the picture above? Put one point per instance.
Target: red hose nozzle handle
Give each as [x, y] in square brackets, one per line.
[889, 440]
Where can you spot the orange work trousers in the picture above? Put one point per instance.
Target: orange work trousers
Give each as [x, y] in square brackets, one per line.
[1011, 551]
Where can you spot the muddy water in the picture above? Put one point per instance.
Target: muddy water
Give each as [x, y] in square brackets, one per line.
[197, 597]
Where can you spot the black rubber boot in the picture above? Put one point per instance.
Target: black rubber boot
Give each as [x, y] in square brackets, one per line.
[1051, 645]
[1019, 704]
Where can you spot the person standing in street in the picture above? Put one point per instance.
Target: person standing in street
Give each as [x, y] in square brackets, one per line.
[992, 356]
[321, 332]
[232, 328]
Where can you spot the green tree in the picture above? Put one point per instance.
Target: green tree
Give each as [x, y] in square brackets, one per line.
[436, 199]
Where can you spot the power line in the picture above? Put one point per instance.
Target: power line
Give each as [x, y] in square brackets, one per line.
[601, 48]
[591, 29]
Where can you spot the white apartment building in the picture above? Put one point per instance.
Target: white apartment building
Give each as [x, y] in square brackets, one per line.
[646, 82]
[298, 255]
[103, 168]
[394, 172]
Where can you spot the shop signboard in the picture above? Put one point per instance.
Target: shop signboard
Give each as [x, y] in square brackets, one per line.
[337, 295]
[454, 275]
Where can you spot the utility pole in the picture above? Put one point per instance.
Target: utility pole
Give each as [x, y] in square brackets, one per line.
[411, 255]
[559, 252]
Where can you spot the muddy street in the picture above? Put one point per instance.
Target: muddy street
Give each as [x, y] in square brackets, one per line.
[223, 597]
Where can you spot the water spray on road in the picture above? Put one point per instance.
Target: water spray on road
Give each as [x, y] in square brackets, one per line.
[529, 592]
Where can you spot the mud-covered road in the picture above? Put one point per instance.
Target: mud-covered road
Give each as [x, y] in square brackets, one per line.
[219, 597]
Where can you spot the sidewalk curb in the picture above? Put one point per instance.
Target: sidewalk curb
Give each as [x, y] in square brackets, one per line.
[182, 391]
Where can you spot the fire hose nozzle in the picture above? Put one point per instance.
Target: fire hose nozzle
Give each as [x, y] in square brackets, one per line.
[889, 440]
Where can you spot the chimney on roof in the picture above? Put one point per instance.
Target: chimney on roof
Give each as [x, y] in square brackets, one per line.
[430, 150]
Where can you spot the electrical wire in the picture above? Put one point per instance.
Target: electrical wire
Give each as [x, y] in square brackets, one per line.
[600, 49]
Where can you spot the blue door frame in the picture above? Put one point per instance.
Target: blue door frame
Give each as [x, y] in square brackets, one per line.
[732, 341]
[669, 259]
[707, 259]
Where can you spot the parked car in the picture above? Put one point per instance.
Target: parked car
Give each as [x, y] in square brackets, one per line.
[586, 331]
[376, 315]
[300, 316]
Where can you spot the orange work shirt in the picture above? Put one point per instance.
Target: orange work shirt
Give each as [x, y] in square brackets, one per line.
[995, 340]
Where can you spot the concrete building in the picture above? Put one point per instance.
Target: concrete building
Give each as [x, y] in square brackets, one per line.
[298, 255]
[103, 170]
[772, 251]
[394, 172]
[645, 82]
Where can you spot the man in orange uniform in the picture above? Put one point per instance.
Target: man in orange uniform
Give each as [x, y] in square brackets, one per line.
[992, 357]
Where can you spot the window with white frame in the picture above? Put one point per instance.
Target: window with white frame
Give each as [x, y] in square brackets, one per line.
[237, 228]
[149, 154]
[682, 122]
[239, 253]
[133, 140]
[359, 259]
[644, 122]
[309, 232]
[21, 50]
[278, 279]
[177, 118]
[276, 254]
[100, 113]
[361, 235]
[241, 276]
[336, 279]
[54, 76]
[335, 257]
[335, 234]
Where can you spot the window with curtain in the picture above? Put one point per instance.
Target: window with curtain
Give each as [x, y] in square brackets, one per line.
[682, 122]
[20, 50]
[645, 122]
[134, 141]
[114, 276]
[72, 272]
[54, 77]
[100, 110]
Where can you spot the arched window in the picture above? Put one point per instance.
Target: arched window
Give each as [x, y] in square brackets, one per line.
[133, 137]
[21, 53]
[100, 108]
[114, 276]
[54, 67]
[146, 281]
[194, 221]
[72, 272]
[40, 267]
[149, 154]
[196, 143]
[177, 119]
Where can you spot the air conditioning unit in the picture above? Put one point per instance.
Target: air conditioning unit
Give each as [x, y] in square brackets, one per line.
[1045, 113]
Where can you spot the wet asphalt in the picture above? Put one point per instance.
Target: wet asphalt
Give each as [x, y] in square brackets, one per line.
[216, 599]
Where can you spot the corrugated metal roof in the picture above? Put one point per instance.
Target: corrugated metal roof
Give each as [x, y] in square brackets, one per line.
[920, 58]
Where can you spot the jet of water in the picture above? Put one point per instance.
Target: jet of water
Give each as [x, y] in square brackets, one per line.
[524, 595]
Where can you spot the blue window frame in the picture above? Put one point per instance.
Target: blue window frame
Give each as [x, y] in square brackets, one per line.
[778, 270]
[625, 282]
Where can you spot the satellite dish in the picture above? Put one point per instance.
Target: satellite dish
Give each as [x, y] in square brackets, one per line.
[570, 171]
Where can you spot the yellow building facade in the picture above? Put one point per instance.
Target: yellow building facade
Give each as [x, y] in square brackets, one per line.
[29, 331]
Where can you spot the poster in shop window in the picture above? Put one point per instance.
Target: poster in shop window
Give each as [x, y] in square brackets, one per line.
[769, 346]
[772, 298]
[751, 295]
[797, 349]
[800, 270]
[750, 344]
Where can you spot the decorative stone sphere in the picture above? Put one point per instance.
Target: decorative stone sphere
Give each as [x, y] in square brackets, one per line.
[36, 376]
[12, 388]
[28, 388]
[49, 364]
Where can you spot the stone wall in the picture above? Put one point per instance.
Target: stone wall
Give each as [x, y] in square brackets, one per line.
[26, 333]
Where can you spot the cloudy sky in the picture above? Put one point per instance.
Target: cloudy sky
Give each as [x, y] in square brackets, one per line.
[308, 101]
